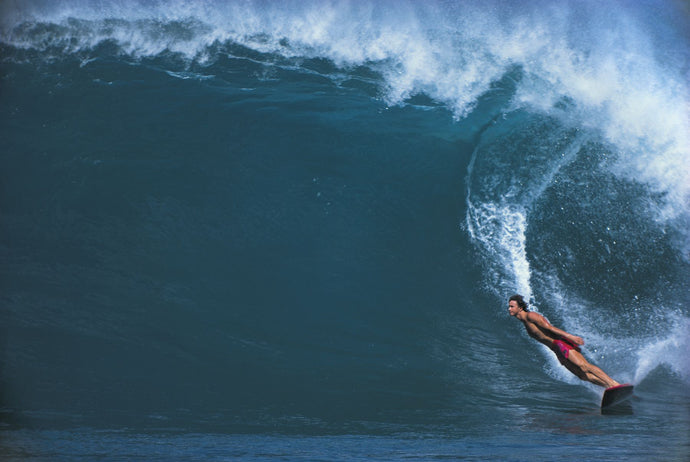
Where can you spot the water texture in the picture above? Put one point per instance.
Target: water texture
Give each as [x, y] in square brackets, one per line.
[259, 230]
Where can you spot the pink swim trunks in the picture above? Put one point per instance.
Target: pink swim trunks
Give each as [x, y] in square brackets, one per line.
[563, 348]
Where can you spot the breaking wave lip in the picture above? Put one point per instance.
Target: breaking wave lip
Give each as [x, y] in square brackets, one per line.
[614, 77]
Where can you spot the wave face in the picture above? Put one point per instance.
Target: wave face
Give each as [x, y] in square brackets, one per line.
[570, 62]
[302, 215]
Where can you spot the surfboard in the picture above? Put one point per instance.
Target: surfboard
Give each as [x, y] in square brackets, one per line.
[616, 395]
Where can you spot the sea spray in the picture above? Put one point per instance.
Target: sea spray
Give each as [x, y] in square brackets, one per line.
[242, 217]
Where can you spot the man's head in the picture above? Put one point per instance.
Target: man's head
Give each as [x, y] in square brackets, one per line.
[516, 303]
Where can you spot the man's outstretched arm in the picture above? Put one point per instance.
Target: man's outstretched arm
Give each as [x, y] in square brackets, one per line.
[542, 323]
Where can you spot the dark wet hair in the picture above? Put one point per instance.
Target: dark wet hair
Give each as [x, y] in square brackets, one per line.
[520, 301]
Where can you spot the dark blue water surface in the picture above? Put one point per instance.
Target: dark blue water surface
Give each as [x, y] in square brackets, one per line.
[257, 230]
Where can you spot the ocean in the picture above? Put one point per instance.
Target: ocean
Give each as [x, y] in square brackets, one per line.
[263, 230]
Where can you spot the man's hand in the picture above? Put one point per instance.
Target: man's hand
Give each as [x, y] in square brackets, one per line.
[577, 340]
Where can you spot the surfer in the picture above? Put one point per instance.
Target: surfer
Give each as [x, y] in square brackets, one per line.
[565, 345]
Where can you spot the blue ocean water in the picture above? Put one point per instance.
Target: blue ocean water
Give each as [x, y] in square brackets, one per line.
[267, 230]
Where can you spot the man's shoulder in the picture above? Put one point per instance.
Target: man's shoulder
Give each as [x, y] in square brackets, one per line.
[533, 317]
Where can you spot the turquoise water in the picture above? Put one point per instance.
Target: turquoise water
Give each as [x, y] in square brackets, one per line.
[252, 230]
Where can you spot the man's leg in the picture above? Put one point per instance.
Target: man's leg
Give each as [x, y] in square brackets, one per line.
[578, 365]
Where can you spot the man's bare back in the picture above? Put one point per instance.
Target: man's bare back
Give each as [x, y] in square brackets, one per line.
[565, 345]
[539, 328]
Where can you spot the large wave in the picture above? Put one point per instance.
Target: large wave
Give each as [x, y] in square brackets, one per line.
[579, 185]
[612, 71]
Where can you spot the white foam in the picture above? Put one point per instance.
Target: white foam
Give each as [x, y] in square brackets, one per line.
[672, 351]
[614, 65]
[501, 232]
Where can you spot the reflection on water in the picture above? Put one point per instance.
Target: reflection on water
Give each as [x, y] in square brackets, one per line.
[624, 408]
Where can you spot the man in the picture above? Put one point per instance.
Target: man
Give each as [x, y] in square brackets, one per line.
[565, 345]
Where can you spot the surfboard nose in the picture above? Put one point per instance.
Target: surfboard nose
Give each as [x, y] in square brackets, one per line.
[616, 395]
